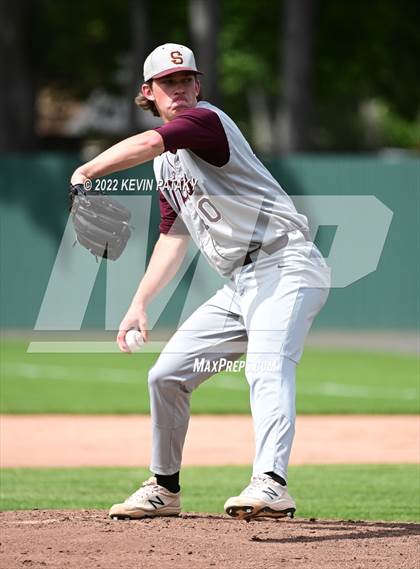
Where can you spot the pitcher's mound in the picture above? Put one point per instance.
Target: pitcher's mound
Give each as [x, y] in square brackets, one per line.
[89, 539]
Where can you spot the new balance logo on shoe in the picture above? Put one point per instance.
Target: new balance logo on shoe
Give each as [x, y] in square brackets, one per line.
[270, 492]
[157, 501]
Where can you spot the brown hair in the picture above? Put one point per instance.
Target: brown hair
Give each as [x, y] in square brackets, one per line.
[144, 103]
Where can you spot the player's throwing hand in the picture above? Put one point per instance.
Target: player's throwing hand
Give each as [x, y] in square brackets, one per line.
[136, 317]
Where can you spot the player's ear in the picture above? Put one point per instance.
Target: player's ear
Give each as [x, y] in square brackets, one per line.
[197, 86]
[147, 91]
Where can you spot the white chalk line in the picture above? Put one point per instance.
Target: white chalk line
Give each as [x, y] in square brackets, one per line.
[223, 381]
[330, 389]
[111, 375]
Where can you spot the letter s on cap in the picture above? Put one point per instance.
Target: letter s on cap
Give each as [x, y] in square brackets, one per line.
[176, 57]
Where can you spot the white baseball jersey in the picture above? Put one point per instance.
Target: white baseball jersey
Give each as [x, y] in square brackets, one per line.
[227, 209]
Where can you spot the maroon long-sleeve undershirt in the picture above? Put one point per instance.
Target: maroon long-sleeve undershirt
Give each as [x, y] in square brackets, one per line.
[201, 131]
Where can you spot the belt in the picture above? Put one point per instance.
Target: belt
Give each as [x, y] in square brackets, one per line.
[270, 248]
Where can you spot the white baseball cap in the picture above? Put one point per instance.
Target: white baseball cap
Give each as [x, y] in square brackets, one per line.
[169, 58]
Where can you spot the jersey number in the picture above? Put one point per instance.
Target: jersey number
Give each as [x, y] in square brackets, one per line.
[210, 212]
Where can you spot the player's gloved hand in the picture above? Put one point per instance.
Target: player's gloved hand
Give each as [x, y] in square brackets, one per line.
[75, 190]
[136, 317]
[102, 225]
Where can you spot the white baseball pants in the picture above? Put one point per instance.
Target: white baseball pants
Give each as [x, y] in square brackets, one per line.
[265, 310]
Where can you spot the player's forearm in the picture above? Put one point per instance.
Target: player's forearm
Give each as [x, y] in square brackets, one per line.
[164, 263]
[125, 154]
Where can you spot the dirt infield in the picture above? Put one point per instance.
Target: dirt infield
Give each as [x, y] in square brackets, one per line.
[70, 440]
[88, 539]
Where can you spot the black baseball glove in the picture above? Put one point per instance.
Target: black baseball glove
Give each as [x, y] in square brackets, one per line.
[101, 223]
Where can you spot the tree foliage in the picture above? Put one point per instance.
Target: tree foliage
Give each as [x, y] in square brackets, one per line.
[362, 51]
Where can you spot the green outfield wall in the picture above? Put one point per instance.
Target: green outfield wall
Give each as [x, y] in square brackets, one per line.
[33, 201]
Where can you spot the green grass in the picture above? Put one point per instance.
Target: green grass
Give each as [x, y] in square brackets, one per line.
[328, 382]
[359, 492]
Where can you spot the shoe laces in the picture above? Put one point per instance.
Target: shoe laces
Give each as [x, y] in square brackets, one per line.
[148, 487]
[257, 482]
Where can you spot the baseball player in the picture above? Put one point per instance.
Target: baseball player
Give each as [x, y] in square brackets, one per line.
[214, 190]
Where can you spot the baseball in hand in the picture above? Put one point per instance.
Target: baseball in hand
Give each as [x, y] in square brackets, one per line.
[134, 340]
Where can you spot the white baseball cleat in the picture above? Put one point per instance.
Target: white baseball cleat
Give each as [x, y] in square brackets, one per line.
[263, 497]
[149, 500]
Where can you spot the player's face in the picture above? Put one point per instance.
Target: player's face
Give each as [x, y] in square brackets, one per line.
[173, 93]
